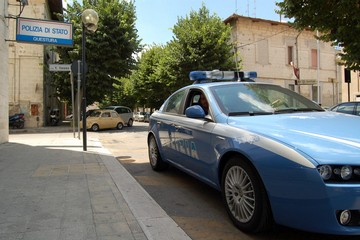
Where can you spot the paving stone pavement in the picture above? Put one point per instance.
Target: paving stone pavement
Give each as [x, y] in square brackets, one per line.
[51, 189]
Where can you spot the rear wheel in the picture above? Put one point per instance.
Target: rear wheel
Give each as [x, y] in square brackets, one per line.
[119, 126]
[95, 127]
[245, 197]
[130, 123]
[156, 161]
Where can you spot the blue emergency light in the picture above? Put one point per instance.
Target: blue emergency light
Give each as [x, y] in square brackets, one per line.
[216, 75]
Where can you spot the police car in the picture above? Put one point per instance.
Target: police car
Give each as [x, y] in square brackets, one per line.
[275, 156]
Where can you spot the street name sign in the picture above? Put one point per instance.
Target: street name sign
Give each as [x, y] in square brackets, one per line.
[60, 67]
[44, 32]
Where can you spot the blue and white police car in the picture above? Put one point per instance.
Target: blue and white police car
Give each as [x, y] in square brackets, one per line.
[276, 156]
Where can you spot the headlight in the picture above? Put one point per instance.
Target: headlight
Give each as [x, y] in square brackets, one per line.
[325, 171]
[339, 173]
[346, 172]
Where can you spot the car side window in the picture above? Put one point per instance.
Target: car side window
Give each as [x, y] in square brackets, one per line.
[106, 114]
[346, 108]
[197, 97]
[174, 103]
[358, 109]
[114, 115]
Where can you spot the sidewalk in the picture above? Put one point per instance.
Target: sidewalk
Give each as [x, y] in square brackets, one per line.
[51, 189]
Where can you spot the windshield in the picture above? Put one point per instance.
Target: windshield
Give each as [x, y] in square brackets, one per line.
[259, 99]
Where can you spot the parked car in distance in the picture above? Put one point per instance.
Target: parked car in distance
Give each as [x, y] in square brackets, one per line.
[104, 119]
[275, 156]
[347, 107]
[147, 117]
[124, 112]
[140, 116]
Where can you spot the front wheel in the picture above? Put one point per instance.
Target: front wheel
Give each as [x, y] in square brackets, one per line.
[95, 128]
[245, 197]
[156, 161]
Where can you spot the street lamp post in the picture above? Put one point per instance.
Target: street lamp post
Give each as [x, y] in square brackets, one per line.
[90, 20]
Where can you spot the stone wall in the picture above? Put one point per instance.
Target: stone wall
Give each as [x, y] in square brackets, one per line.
[26, 69]
[4, 120]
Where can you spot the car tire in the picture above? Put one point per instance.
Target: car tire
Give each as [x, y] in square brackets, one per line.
[245, 197]
[119, 126]
[95, 127]
[156, 161]
[130, 122]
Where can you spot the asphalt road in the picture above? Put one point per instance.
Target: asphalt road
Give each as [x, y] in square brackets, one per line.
[197, 208]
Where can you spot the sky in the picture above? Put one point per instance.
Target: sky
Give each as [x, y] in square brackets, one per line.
[156, 18]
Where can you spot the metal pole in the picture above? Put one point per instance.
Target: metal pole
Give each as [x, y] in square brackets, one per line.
[78, 93]
[318, 67]
[72, 101]
[84, 86]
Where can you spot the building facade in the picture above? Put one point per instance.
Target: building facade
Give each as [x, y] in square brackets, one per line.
[285, 56]
[4, 126]
[351, 86]
[27, 63]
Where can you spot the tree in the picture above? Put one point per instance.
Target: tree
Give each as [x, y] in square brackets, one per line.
[148, 83]
[201, 42]
[337, 20]
[109, 51]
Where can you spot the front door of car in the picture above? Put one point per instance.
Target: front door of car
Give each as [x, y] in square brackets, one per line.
[105, 120]
[167, 122]
[194, 147]
[166, 129]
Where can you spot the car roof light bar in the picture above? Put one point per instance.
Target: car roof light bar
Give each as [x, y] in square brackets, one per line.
[216, 75]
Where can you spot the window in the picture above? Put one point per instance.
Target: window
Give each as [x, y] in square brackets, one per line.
[347, 108]
[314, 60]
[314, 90]
[174, 103]
[106, 114]
[34, 109]
[290, 55]
[357, 109]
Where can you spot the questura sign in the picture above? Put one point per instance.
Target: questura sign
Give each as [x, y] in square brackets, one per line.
[44, 32]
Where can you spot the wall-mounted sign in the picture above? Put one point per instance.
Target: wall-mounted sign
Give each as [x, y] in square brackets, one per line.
[60, 67]
[44, 32]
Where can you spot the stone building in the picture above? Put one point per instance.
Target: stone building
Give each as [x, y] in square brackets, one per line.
[27, 87]
[4, 126]
[351, 90]
[275, 51]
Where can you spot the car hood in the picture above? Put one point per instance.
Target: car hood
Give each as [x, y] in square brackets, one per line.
[326, 137]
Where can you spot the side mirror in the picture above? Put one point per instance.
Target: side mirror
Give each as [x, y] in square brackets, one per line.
[195, 111]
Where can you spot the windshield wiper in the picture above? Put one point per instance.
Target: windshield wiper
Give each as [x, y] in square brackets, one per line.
[291, 110]
[248, 113]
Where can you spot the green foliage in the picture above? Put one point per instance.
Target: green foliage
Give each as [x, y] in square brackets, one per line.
[202, 42]
[337, 20]
[109, 51]
[149, 82]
